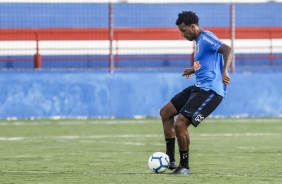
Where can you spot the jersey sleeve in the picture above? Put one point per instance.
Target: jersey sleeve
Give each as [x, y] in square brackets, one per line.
[211, 42]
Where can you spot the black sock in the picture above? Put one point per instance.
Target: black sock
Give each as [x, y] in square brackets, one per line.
[184, 158]
[170, 148]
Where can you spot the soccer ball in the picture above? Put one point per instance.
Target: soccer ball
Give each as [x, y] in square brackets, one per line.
[158, 162]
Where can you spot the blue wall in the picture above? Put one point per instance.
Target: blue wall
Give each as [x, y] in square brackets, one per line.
[39, 94]
[95, 15]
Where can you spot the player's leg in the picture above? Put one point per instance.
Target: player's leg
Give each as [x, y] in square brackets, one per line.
[167, 113]
[200, 104]
[181, 129]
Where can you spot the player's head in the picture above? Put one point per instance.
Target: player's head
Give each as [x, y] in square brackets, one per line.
[188, 24]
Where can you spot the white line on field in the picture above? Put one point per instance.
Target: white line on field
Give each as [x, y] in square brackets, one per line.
[113, 122]
[194, 174]
[33, 172]
[76, 123]
[12, 138]
[135, 136]
[24, 123]
[122, 143]
[133, 121]
[247, 120]
[253, 148]
[115, 143]
[33, 156]
[239, 175]
[237, 134]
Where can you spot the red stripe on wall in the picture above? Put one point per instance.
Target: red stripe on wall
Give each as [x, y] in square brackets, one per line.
[133, 33]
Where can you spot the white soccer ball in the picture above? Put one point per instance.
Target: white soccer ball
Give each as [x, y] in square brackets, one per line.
[158, 162]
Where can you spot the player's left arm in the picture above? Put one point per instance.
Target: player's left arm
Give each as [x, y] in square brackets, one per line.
[188, 72]
[227, 53]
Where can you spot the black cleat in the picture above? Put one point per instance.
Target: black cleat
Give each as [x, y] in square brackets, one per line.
[181, 170]
[172, 165]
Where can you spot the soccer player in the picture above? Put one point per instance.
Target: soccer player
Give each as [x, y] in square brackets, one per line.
[212, 59]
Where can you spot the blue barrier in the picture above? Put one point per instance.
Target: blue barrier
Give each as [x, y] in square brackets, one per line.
[45, 94]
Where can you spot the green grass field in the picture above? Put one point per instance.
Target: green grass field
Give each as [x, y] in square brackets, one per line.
[243, 151]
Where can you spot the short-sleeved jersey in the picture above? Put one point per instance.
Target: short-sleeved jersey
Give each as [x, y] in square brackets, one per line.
[208, 63]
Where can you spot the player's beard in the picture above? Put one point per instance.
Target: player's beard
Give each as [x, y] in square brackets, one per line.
[189, 38]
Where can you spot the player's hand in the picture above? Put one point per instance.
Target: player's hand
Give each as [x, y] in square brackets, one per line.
[188, 72]
[225, 78]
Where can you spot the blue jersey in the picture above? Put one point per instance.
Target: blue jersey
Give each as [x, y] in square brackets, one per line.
[208, 63]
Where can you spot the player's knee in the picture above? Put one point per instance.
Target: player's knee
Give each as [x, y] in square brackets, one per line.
[181, 123]
[163, 112]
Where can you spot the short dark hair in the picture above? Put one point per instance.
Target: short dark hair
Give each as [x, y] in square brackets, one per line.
[188, 17]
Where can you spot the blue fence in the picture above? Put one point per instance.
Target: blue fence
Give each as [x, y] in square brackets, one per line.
[44, 94]
[134, 16]
[86, 15]
[262, 62]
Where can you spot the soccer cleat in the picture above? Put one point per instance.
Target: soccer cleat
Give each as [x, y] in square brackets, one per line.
[172, 165]
[181, 170]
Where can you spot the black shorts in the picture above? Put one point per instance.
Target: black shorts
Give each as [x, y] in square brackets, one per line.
[196, 104]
